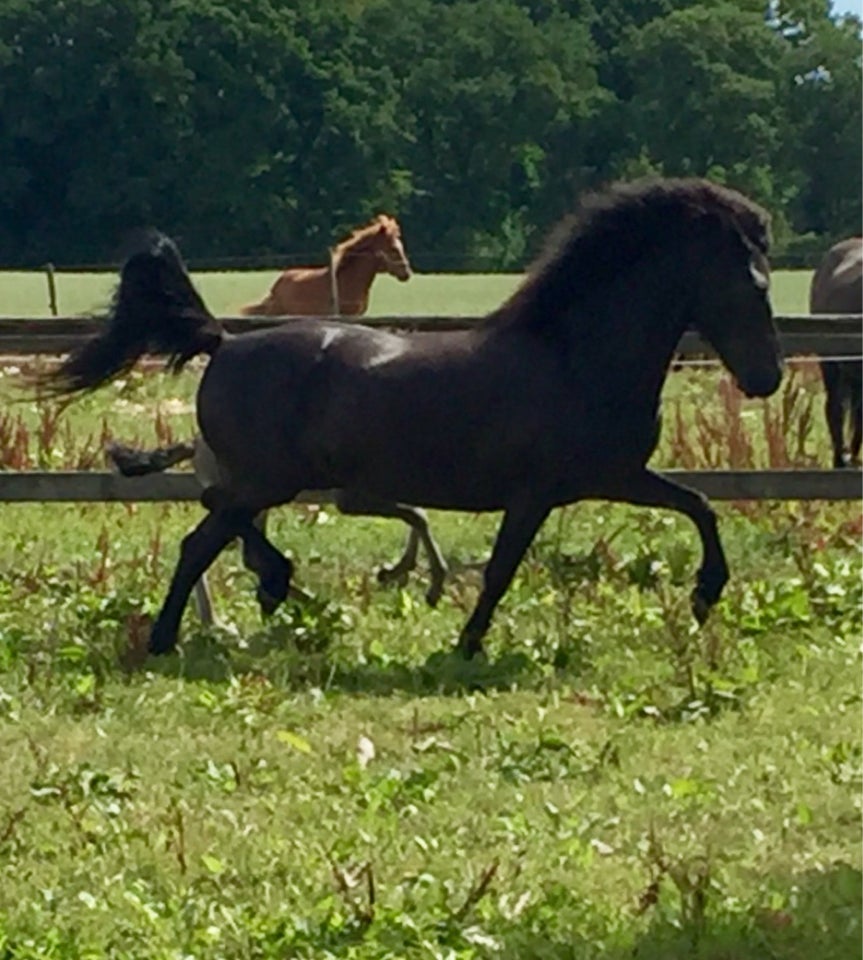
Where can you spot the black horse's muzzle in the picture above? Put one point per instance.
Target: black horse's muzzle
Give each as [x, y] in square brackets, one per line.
[762, 381]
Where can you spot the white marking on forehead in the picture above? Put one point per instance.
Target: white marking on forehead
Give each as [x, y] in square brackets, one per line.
[851, 262]
[331, 334]
[760, 270]
[390, 351]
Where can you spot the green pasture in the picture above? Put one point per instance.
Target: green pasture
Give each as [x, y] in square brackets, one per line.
[612, 782]
[25, 294]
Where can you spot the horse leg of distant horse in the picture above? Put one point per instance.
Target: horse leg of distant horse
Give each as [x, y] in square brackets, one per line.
[856, 423]
[649, 489]
[518, 529]
[351, 502]
[199, 549]
[204, 601]
[273, 568]
[834, 410]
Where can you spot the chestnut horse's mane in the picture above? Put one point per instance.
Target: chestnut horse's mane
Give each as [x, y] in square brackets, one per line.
[358, 236]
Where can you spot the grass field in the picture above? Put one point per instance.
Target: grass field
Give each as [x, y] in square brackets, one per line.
[610, 783]
[26, 294]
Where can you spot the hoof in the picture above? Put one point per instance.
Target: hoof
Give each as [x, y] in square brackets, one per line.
[267, 602]
[469, 647]
[274, 585]
[163, 640]
[701, 607]
[433, 594]
[708, 590]
[392, 575]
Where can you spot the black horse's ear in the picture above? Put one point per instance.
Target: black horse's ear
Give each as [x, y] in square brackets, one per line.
[139, 240]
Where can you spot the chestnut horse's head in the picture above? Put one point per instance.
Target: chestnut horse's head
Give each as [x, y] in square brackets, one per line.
[386, 241]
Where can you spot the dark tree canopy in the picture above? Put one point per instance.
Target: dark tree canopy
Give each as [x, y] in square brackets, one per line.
[274, 125]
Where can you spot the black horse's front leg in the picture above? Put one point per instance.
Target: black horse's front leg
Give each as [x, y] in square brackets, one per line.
[518, 529]
[649, 489]
[199, 549]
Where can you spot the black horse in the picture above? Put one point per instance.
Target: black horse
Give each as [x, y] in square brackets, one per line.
[551, 399]
[837, 287]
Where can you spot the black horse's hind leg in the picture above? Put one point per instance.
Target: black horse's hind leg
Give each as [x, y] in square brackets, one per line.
[273, 568]
[649, 489]
[351, 502]
[132, 462]
[834, 410]
[518, 529]
[199, 549]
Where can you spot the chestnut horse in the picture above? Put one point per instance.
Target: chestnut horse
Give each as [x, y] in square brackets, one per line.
[342, 287]
[551, 399]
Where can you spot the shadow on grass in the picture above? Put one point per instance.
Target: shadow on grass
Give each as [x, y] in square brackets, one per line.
[216, 656]
[821, 919]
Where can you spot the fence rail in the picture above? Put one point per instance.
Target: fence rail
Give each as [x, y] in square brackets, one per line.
[800, 334]
[86, 487]
[834, 336]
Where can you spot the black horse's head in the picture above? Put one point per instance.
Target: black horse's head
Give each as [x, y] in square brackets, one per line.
[732, 299]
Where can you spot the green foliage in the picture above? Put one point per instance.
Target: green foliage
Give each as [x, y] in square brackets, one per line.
[332, 782]
[277, 125]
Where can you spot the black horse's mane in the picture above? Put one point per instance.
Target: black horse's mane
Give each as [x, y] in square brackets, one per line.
[613, 230]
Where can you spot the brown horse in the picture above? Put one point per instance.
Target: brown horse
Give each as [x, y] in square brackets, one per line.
[551, 399]
[837, 287]
[343, 286]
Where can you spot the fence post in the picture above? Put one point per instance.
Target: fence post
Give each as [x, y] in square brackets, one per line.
[52, 289]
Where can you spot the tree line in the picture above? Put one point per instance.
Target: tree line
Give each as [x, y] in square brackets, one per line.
[275, 125]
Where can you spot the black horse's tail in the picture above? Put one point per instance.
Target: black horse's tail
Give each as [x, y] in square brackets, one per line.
[155, 310]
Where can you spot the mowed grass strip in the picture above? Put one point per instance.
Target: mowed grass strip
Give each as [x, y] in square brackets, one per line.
[25, 294]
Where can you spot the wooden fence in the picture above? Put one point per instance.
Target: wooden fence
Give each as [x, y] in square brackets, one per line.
[833, 336]
[86, 487]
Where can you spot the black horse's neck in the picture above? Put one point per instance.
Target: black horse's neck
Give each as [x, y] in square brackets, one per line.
[635, 326]
[619, 333]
